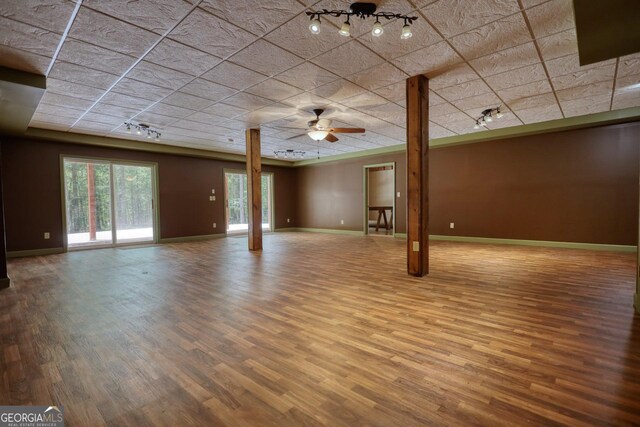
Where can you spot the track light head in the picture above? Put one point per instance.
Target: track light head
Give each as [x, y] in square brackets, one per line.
[477, 125]
[377, 29]
[345, 30]
[406, 31]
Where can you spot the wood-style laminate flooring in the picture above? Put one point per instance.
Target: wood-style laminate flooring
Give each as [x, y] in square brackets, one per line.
[323, 330]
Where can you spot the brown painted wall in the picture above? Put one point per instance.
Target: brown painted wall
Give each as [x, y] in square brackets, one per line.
[573, 186]
[33, 205]
[3, 248]
[328, 193]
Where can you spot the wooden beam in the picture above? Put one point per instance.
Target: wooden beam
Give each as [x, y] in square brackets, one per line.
[418, 175]
[254, 189]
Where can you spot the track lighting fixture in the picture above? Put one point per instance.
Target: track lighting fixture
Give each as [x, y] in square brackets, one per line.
[314, 26]
[289, 154]
[487, 117]
[141, 127]
[362, 11]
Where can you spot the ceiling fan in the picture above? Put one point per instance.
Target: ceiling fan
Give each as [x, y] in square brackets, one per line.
[320, 129]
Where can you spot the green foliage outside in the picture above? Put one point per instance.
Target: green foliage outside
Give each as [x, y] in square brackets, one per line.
[238, 205]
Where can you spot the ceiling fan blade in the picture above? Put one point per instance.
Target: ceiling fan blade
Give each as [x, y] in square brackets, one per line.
[347, 130]
[331, 138]
[297, 136]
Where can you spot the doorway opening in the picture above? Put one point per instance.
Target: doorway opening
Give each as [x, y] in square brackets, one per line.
[379, 199]
[236, 203]
[108, 203]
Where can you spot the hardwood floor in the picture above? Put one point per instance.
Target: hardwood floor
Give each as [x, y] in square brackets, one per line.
[323, 330]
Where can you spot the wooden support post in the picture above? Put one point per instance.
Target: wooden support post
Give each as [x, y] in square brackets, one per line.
[418, 175]
[636, 297]
[254, 189]
[91, 188]
[4, 277]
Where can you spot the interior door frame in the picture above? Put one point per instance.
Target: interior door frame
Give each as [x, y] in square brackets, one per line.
[365, 186]
[155, 205]
[272, 214]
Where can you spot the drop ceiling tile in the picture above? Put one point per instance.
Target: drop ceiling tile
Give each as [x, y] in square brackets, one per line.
[247, 101]
[437, 131]
[147, 72]
[626, 99]
[79, 91]
[209, 90]
[55, 110]
[443, 109]
[457, 74]
[464, 90]
[551, 17]
[82, 75]
[539, 114]
[435, 99]
[338, 90]
[557, 45]
[463, 127]
[381, 75]
[179, 57]
[588, 105]
[428, 60]
[28, 38]
[206, 118]
[211, 34]
[474, 105]
[295, 37]
[307, 76]
[506, 60]
[274, 90]
[46, 125]
[390, 45]
[122, 111]
[499, 35]
[453, 117]
[584, 77]
[268, 114]
[233, 76]
[225, 110]
[629, 83]
[169, 110]
[153, 15]
[52, 15]
[594, 89]
[52, 119]
[265, 58]
[395, 92]
[110, 33]
[570, 64]
[65, 101]
[546, 100]
[112, 121]
[89, 127]
[629, 64]
[126, 100]
[257, 17]
[453, 17]
[508, 120]
[90, 56]
[154, 120]
[364, 101]
[307, 101]
[348, 59]
[23, 60]
[140, 90]
[184, 100]
[530, 89]
[518, 77]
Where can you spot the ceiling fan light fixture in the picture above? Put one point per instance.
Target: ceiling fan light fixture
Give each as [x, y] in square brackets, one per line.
[318, 135]
[377, 29]
[406, 31]
[345, 30]
[314, 26]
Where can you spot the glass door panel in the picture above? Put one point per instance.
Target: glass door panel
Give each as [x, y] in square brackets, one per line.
[133, 196]
[88, 203]
[237, 210]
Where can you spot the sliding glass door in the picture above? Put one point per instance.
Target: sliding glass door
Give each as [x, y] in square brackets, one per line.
[108, 203]
[236, 204]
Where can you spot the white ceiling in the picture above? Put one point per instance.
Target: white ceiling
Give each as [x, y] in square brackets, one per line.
[202, 71]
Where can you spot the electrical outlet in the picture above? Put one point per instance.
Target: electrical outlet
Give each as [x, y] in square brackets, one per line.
[288, 220]
[452, 225]
[214, 225]
[342, 221]
[212, 198]
[416, 246]
[398, 195]
[47, 235]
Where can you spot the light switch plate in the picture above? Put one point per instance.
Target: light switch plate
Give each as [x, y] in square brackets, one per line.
[416, 246]
[398, 195]
[288, 220]
[213, 191]
[452, 225]
[47, 235]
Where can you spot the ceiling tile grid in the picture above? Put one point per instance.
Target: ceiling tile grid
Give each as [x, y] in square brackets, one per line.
[201, 70]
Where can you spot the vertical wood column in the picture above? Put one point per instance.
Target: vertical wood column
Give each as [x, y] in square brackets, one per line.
[418, 175]
[636, 297]
[4, 277]
[254, 189]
